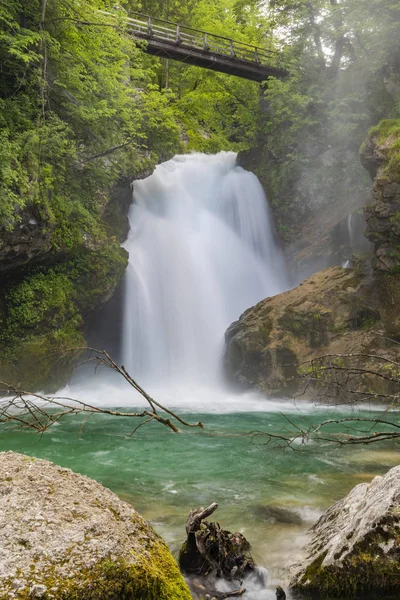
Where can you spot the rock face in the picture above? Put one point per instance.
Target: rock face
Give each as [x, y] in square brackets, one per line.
[380, 155]
[327, 243]
[335, 312]
[29, 241]
[65, 536]
[265, 347]
[354, 548]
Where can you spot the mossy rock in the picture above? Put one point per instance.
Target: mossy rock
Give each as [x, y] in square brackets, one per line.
[380, 154]
[153, 576]
[42, 315]
[332, 312]
[44, 361]
[78, 540]
[354, 549]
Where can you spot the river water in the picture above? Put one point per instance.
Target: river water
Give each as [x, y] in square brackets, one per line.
[271, 495]
[202, 250]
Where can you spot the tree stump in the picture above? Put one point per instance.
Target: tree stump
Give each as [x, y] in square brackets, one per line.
[210, 551]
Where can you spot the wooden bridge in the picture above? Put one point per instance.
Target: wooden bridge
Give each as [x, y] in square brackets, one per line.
[196, 47]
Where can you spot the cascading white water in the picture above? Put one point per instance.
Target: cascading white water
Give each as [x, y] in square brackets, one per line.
[201, 251]
[350, 230]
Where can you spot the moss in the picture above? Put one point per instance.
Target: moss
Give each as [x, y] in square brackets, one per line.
[41, 360]
[386, 128]
[95, 275]
[366, 572]
[152, 575]
[387, 133]
[295, 322]
[362, 317]
[43, 300]
[266, 330]
[313, 326]
[42, 315]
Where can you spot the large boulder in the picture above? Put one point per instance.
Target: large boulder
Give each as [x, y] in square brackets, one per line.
[269, 342]
[335, 312]
[354, 548]
[64, 536]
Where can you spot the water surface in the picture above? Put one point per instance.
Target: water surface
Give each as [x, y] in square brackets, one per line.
[269, 494]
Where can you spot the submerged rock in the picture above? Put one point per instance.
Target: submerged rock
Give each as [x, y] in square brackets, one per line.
[354, 548]
[276, 514]
[64, 536]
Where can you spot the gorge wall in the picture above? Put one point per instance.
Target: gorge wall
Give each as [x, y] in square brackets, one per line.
[347, 312]
[49, 287]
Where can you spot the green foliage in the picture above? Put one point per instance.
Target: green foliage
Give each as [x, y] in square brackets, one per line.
[387, 133]
[81, 105]
[342, 56]
[47, 299]
[73, 115]
[43, 299]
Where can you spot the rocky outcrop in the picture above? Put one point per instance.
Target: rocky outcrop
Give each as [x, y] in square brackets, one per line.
[56, 270]
[380, 154]
[354, 549]
[336, 311]
[65, 536]
[28, 241]
[42, 314]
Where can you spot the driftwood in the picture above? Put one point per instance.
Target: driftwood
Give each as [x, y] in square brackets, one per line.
[212, 552]
[197, 515]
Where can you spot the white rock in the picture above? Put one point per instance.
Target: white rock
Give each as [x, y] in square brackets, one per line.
[366, 523]
[50, 535]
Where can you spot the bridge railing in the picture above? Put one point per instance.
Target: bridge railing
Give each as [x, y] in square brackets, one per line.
[146, 27]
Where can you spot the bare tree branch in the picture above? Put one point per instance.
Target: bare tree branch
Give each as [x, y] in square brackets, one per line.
[34, 411]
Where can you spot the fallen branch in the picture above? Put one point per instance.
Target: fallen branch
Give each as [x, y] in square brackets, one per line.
[38, 412]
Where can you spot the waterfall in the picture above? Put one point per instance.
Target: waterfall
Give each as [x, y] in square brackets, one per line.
[350, 238]
[350, 230]
[201, 251]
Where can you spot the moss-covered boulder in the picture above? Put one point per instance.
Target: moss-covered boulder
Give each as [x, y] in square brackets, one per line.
[380, 155]
[354, 549]
[64, 536]
[335, 312]
[42, 314]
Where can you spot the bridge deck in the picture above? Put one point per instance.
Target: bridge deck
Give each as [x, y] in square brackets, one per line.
[195, 47]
